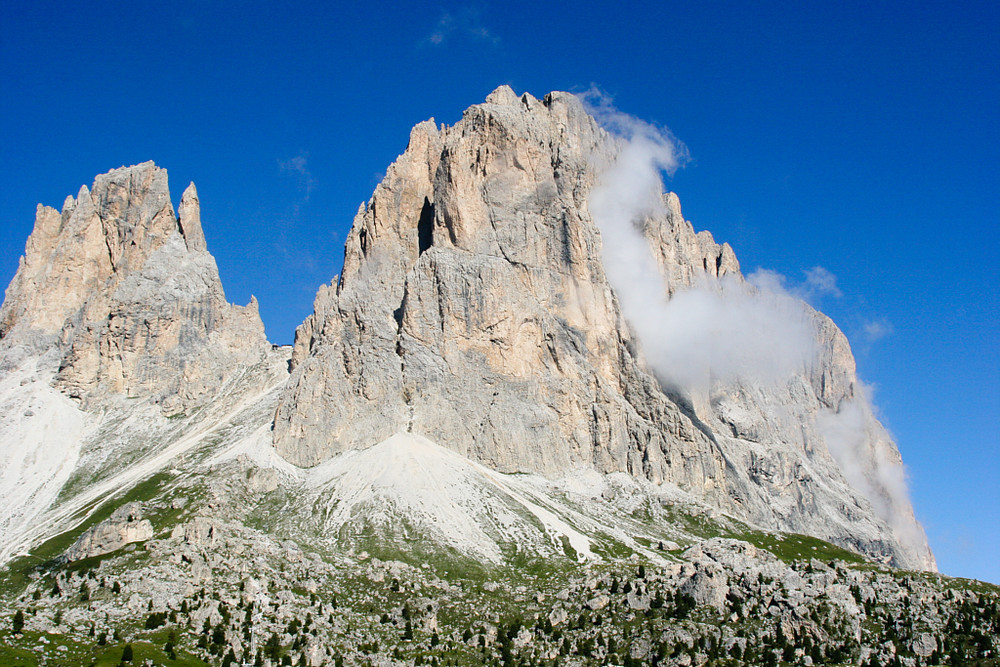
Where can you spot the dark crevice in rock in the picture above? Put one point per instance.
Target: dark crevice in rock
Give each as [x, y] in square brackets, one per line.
[425, 227]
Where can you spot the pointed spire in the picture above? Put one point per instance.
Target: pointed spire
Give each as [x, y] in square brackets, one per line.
[190, 214]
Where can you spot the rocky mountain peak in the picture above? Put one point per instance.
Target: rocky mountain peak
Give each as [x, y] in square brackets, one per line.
[502, 95]
[484, 307]
[475, 310]
[126, 295]
[518, 296]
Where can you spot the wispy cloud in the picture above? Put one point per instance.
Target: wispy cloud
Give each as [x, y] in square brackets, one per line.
[726, 330]
[717, 331]
[299, 167]
[821, 282]
[875, 330]
[863, 450]
[654, 148]
[466, 22]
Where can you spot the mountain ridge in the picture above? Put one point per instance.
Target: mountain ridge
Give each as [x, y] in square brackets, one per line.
[450, 312]
[128, 293]
[474, 433]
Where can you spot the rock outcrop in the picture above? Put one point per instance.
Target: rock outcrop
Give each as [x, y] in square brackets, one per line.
[804, 452]
[124, 526]
[128, 296]
[474, 309]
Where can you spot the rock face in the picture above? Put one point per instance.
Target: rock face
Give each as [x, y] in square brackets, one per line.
[474, 309]
[128, 296]
[124, 526]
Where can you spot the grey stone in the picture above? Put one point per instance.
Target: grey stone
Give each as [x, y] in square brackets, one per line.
[125, 526]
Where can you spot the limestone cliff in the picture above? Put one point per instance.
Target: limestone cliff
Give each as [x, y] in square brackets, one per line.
[477, 308]
[474, 309]
[127, 296]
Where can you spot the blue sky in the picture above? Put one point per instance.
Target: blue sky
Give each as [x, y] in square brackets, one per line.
[860, 137]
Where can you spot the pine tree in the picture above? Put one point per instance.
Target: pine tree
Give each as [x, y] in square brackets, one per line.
[127, 653]
[273, 646]
[18, 624]
[219, 635]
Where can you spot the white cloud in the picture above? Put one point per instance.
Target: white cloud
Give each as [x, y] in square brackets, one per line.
[662, 150]
[728, 330]
[466, 22]
[869, 461]
[877, 329]
[717, 331]
[299, 167]
[821, 282]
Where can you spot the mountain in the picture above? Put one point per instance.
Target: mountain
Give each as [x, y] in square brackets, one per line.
[536, 418]
[474, 309]
[128, 297]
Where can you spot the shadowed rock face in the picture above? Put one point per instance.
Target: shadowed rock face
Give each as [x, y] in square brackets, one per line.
[128, 296]
[474, 309]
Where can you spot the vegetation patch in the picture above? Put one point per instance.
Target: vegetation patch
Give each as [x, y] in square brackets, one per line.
[791, 547]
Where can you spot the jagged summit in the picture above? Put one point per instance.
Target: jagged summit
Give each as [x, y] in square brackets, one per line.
[477, 310]
[127, 296]
[474, 309]
[496, 441]
[189, 214]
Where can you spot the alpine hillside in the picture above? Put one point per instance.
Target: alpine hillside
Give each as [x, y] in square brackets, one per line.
[537, 419]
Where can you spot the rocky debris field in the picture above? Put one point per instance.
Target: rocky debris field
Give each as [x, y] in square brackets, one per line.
[210, 591]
